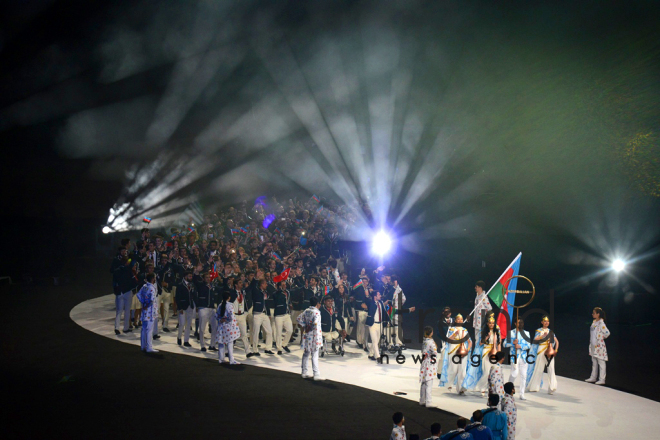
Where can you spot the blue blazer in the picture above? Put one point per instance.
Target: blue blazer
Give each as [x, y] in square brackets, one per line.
[373, 312]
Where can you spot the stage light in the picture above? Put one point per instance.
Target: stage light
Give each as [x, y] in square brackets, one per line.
[106, 230]
[618, 265]
[381, 243]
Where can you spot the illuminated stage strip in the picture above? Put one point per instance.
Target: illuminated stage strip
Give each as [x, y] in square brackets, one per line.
[576, 410]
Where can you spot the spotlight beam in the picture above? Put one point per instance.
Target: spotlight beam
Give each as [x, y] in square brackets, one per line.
[618, 265]
[381, 243]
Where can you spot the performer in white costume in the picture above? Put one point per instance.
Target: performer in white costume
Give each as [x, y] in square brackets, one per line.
[597, 349]
[147, 297]
[312, 340]
[535, 380]
[481, 303]
[508, 405]
[428, 369]
[453, 364]
[227, 330]
[519, 349]
[397, 296]
[488, 342]
[496, 377]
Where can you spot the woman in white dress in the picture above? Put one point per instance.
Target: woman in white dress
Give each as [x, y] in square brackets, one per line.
[228, 330]
[535, 380]
[488, 341]
[454, 363]
[597, 350]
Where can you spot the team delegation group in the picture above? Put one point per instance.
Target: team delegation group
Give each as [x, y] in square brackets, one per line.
[278, 302]
[272, 297]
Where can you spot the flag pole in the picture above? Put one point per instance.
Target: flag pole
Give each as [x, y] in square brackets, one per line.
[495, 283]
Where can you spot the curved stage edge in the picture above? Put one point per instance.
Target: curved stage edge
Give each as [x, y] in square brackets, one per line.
[577, 409]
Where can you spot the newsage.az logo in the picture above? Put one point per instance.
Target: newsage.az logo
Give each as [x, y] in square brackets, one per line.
[475, 359]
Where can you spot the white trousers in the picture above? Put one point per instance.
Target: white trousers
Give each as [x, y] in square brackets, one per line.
[283, 322]
[362, 329]
[537, 374]
[519, 367]
[486, 364]
[123, 304]
[166, 300]
[394, 331]
[374, 333]
[221, 352]
[294, 318]
[347, 324]
[330, 336]
[146, 337]
[598, 364]
[206, 315]
[135, 305]
[271, 317]
[456, 368]
[214, 330]
[315, 362]
[425, 389]
[242, 325]
[261, 320]
[173, 289]
[250, 322]
[155, 331]
[185, 320]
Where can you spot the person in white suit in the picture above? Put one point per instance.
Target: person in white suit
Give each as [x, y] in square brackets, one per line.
[312, 340]
[597, 349]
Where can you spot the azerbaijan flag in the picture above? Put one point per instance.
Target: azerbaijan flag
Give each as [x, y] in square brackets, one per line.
[503, 301]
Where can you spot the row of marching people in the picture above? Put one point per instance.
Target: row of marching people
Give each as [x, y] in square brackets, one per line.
[466, 366]
[268, 309]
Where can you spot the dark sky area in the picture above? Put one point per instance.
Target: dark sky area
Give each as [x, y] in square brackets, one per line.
[478, 129]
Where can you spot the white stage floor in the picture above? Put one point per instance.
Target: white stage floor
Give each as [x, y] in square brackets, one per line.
[576, 410]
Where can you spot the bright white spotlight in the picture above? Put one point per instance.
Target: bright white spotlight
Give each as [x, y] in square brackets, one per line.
[381, 243]
[618, 265]
[106, 230]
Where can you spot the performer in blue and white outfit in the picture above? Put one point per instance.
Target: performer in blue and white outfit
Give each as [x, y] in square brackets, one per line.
[453, 365]
[312, 340]
[597, 349]
[535, 380]
[518, 338]
[228, 330]
[147, 297]
[477, 375]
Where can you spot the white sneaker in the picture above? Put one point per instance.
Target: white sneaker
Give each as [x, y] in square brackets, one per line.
[523, 398]
[600, 382]
[318, 378]
[306, 376]
[551, 392]
[234, 363]
[590, 380]
[152, 351]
